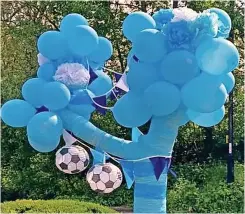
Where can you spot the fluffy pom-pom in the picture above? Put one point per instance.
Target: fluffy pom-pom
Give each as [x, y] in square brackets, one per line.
[72, 74]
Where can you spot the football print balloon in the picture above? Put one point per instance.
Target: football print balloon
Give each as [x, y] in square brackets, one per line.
[72, 159]
[104, 178]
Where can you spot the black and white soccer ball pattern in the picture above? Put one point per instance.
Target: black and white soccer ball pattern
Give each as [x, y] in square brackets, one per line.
[72, 159]
[104, 178]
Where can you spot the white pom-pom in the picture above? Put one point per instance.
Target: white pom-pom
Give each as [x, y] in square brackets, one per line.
[72, 74]
[184, 13]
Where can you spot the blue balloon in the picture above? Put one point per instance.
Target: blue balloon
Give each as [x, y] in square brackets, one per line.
[44, 131]
[204, 94]
[46, 71]
[206, 119]
[141, 75]
[44, 146]
[179, 67]
[102, 84]
[52, 45]
[150, 45]
[162, 98]
[224, 22]
[217, 56]
[32, 91]
[136, 22]
[17, 113]
[103, 51]
[83, 40]
[130, 56]
[130, 110]
[70, 21]
[229, 81]
[56, 96]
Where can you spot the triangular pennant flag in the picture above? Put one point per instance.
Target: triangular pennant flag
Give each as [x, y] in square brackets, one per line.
[68, 138]
[80, 98]
[135, 134]
[112, 95]
[98, 157]
[93, 75]
[101, 151]
[128, 171]
[122, 83]
[41, 109]
[118, 91]
[117, 76]
[158, 165]
[100, 104]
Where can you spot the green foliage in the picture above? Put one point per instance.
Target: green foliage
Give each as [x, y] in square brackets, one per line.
[203, 189]
[53, 206]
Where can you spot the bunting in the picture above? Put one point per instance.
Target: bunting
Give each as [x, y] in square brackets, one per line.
[68, 138]
[93, 75]
[100, 104]
[128, 171]
[98, 157]
[122, 83]
[159, 163]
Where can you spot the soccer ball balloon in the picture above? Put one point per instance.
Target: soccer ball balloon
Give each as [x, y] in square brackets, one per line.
[72, 159]
[104, 178]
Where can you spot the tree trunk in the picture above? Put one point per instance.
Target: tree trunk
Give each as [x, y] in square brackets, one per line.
[149, 194]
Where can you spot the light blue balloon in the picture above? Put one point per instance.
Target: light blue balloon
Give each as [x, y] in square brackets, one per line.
[32, 91]
[44, 146]
[70, 21]
[136, 22]
[52, 45]
[44, 131]
[141, 75]
[204, 94]
[179, 67]
[17, 113]
[206, 119]
[46, 71]
[162, 98]
[130, 110]
[83, 40]
[56, 95]
[224, 22]
[130, 56]
[103, 51]
[217, 56]
[228, 81]
[150, 45]
[102, 84]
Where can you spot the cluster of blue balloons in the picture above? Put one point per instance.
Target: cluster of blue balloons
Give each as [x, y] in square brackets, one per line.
[76, 42]
[194, 78]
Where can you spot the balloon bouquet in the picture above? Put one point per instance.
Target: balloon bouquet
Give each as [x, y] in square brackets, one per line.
[179, 70]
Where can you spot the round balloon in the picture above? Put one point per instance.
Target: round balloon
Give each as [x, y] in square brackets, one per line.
[136, 22]
[202, 95]
[32, 91]
[70, 21]
[47, 145]
[52, 44]
[102, 84]
[17, 113]
[56, 95]
[46, 71]
[130, 110]
[102, 52]
[162, 98]
[206, 119]
[217, 56]
[150, 45]
[179, 67]
[44, 131]
[224, 22]
[141, 75]
[228, 81]
[83, 40]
